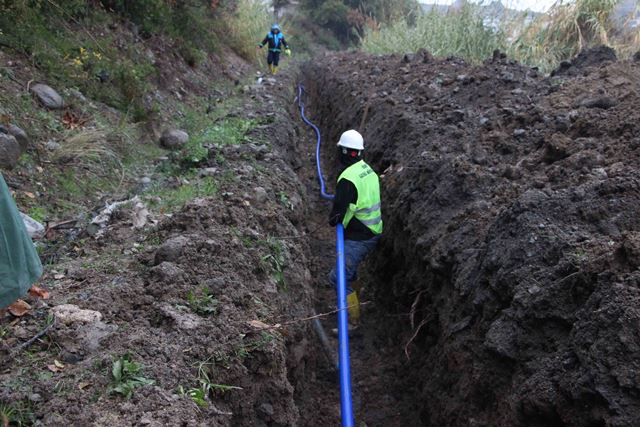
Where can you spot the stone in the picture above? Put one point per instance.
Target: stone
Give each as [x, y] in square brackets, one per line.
[167, 272]
[519, 132]
[266, 411]
[604, 102]
[47, 96]
[70, 313]
[171, 250]
[52, 145]
[10, 151]
[19, 134]
[174, 139]
[35, 230]
[260, 195]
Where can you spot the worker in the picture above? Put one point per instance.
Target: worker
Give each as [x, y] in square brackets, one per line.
[357, 207]
[275, 41]
[20, 265]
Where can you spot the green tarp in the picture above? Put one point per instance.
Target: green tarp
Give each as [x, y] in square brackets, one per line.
[20, 265]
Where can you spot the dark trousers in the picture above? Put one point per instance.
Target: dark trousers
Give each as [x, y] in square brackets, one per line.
[273, 58]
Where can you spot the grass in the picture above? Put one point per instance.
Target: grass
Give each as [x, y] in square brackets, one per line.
[172, 199]
[462, 33]
[247, 26]
[127, 376]
[206, 387]
[543, 41]
[17, 414]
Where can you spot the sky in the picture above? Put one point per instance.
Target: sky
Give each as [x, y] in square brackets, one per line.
[534, 5]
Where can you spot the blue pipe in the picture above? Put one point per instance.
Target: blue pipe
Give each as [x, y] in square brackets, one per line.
[343, 333]
[346, 407]
[323, 188]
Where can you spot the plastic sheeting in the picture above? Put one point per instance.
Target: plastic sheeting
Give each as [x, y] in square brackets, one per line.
[20, 265]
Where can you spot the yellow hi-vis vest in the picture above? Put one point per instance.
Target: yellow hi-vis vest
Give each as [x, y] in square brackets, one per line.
[367, 208]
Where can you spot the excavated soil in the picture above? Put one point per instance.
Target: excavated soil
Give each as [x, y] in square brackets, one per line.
[506, 288]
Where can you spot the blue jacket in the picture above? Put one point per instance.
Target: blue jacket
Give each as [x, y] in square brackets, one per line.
[275, 41]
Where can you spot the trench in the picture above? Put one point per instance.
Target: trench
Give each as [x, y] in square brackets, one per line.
[478, 313]
[382, 389]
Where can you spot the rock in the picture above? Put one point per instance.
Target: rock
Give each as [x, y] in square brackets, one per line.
[47, 96]
[35, 230]
[78, 95]
[10, 151]
[167, 272]
[52, 145]
[208, 172]
[20, 135]
[408, 100]
[409, 57]
[171, 250]
[604, 102]
[174, 139]
[70, 313]
[260, 195]
[519, 132]
[181, 319]
[266, 411]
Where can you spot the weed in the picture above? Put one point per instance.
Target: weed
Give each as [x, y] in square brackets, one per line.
[284, 200]
[275, 261]
[17, 414]
[204, 304]
[127, 376]
[38, 213]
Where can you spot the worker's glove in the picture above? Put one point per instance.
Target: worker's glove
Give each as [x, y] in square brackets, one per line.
[287, 52]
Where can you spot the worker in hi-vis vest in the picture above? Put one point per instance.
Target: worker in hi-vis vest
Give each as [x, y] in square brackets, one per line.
[357, 207]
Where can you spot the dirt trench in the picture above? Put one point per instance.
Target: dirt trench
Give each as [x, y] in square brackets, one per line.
[505, 290]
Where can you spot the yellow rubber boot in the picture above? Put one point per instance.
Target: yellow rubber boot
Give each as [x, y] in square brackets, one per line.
[271, 68]
[353, 308]
[275, 69]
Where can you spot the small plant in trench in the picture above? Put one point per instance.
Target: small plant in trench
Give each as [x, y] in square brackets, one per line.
[275, 261]
[127, 376]
[199, 394]
[204, 304]
[284, 200]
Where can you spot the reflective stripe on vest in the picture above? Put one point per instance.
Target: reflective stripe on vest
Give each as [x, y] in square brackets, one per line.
[367, 208]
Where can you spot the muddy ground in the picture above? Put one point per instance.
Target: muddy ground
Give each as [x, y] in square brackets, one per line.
[506, 288]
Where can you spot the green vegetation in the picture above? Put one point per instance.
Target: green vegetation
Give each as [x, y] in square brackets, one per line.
[167, 199]
[543, 41]
[127, 376]
[199, 395]
[203, 304]
[275, 261]
[462, 33]
[18, 414]
[349, 19]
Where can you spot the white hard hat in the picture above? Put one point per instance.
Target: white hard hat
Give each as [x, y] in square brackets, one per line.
[351, 139]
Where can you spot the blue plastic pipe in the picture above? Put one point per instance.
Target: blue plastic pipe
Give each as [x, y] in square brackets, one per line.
[343, 333]
[346, 407]
[323, 188]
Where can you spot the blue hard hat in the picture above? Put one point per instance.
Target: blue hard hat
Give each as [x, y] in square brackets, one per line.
[275, 27]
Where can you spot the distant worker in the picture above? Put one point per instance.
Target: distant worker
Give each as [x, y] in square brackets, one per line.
[275, 40]
[357, 207]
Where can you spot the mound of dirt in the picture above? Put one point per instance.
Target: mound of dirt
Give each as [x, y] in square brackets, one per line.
[592, 57]
[509, 267]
